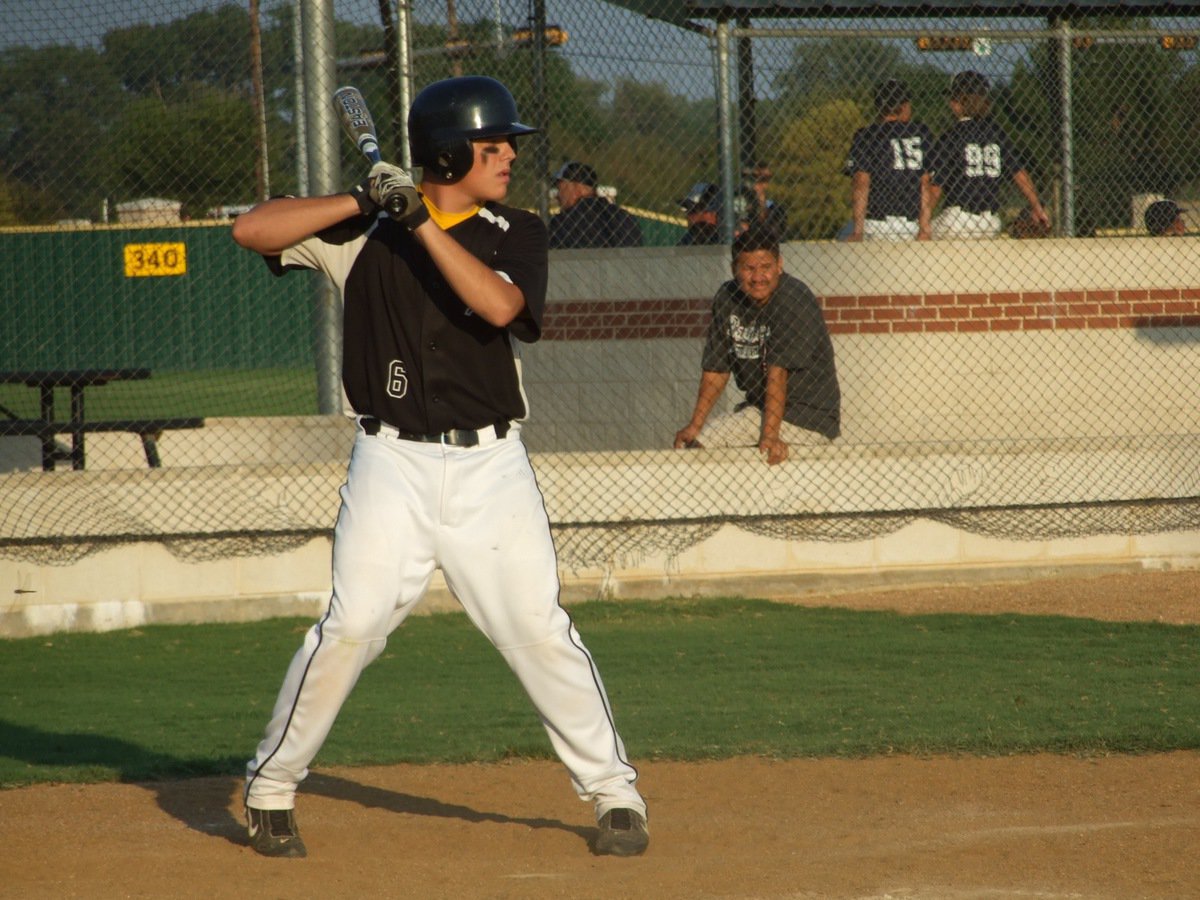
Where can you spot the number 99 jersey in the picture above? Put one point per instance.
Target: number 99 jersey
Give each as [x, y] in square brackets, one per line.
[970, 162]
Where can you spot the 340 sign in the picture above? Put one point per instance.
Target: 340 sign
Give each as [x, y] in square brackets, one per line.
[148, 260]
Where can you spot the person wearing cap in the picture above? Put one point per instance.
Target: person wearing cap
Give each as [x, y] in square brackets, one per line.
[887, 168]
[700, 207]
[1164, 218]
[767, 211]
[703, 206]
[586, 219]
[968, 166]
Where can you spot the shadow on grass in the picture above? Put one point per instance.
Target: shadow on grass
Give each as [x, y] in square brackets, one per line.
[203, 803]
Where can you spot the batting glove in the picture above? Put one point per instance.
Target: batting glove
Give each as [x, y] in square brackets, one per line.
[361, 193]
[392, 189]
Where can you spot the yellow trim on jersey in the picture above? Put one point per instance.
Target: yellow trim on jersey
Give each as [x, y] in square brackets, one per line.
[447, 220]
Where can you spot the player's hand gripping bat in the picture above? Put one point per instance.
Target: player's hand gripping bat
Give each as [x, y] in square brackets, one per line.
[395, 188]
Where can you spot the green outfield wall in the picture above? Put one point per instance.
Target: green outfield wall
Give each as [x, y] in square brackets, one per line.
[179, 297]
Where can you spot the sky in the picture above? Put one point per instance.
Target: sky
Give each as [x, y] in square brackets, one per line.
[607, 43]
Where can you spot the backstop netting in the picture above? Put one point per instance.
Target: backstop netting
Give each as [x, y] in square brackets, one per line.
[1025, 379]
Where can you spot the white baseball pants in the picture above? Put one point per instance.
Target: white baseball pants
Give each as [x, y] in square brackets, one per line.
[743, 427]
[956, 222]
[408, 508]
[893, 228]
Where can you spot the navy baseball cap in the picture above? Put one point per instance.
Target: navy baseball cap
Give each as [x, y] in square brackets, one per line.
[580, 173]
[702, 195]
[890, 94]
[1161, 215]
[969, 83]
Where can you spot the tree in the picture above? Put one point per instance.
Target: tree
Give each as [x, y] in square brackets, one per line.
[1128, 114]
[55, 107]
[812, 151]
[198, 149]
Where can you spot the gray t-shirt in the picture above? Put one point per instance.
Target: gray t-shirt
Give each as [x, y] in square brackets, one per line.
[788, 331]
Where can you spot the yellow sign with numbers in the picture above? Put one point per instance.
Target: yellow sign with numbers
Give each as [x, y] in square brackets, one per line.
[144, 260]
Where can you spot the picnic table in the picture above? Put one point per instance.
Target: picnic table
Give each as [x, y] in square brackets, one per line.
[47, 426]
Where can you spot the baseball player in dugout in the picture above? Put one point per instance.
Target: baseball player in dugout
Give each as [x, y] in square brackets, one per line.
[1164, 218]
[768, 330]
[587, 219]
[886, 166]
[435, 302]
[968, 166]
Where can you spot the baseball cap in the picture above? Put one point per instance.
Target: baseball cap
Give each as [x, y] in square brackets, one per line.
[1161, 215]
[580, 173]
[702, 195]
[969, 83]
[890, 94]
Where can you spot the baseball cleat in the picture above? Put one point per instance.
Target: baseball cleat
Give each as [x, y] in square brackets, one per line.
[273, 832]
[623, 832]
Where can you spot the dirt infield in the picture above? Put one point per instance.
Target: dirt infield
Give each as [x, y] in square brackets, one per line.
[1036, 826]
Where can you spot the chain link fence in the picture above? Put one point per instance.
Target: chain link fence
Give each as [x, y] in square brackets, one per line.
[160, 384]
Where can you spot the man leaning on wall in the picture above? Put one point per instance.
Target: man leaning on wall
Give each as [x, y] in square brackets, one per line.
[768, 331]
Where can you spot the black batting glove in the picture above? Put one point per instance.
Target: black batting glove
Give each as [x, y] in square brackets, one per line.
[415, 217]
[361, 193]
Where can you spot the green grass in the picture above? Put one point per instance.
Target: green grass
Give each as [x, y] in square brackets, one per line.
[688, 680]
[169, 395]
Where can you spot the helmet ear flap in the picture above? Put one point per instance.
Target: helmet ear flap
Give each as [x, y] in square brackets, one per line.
[453, 161]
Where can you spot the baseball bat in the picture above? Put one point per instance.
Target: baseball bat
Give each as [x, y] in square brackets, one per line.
[357, 123]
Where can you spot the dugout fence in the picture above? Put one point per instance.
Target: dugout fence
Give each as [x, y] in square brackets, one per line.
[1020, 388]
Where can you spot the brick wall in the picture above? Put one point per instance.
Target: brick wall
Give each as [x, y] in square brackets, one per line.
[605, 320]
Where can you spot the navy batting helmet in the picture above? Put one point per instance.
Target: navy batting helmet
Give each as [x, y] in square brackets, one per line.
[447, 115]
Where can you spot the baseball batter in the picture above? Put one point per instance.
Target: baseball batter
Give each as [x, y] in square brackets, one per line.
[886, 166]
[434, 307]
[969, 165]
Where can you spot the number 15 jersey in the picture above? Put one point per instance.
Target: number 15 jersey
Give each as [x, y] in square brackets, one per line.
[894, 155]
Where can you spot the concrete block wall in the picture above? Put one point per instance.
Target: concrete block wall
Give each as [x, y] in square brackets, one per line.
[981, 340]
[618, 370]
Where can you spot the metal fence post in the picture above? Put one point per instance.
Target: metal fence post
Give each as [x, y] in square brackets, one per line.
[1067, 226]
[725, 124]
[320, 77]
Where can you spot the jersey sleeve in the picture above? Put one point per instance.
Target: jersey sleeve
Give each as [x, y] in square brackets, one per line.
[796, 321]
[856, 160]
[934, 161]
[927, 142]
[718, 344]
[331, 251]
[522, 259]
[1013, 159]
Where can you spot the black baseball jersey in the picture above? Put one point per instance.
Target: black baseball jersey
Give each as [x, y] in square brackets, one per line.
[788, 331]
[895, 155]
[594, 222]
[971, 162]
[414, 355]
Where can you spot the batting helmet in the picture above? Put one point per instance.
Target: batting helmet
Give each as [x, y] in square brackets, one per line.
[447, 115]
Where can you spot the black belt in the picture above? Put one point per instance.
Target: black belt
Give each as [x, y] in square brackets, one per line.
[455, 437]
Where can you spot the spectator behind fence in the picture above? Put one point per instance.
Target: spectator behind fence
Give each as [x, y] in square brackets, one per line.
[1164, 218]
[886, 166]
[700, 207]
[586, 219]
[768, 330]
[767, 211]
[969, 164]
[704, 207]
